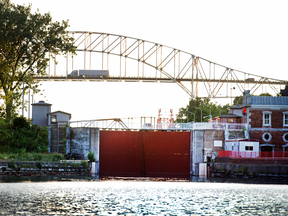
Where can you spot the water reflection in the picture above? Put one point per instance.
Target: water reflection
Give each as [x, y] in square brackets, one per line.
[95, 177]
[132, 197]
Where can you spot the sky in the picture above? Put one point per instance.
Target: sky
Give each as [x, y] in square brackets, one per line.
[249, 36]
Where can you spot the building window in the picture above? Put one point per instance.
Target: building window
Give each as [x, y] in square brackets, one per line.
[285, 119]
[230, 120]
[285, 137]
[248, 148]
[266, 118]
[53, 119]
[266, 137]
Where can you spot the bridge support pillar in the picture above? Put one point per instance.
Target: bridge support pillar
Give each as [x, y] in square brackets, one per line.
[196, 148]
[94, 146]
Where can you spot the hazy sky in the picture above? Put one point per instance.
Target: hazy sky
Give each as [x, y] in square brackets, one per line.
[250, 36]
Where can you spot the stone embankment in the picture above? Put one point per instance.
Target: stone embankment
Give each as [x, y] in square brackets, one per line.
[31, 168]
[279, 172]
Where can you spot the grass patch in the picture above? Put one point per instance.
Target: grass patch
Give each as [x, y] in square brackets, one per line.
[84, 164]
[41, 157]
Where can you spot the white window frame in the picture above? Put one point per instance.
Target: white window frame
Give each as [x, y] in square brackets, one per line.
[284, 139]
[267, 113]
[269, 138]
[285, 114]
[53, 122]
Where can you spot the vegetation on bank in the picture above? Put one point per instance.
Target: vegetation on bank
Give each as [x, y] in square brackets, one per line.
[19, 138]
[31, 157]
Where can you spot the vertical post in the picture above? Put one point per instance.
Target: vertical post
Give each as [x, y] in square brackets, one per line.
[84, 55]
[120, 55]
[23, 98]
[192, 81]
[29, 106]
[138, 59]
[67, 66]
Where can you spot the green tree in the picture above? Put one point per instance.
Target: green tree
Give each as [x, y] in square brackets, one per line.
[20, 137]
[203, 104]
[5, 135]
[265, 95]
[24, 137]
[27, 41]
[237, 100]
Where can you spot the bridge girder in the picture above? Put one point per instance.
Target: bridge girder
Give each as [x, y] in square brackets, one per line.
[144, 61]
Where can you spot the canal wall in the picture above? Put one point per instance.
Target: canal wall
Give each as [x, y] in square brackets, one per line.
[30, 168]
[248, 170]
[82, 140]
[204, 146]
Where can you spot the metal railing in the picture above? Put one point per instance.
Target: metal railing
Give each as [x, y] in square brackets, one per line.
[157, 126]
[251, 154]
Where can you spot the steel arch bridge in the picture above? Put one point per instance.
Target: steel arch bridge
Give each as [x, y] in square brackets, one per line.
[135, 60]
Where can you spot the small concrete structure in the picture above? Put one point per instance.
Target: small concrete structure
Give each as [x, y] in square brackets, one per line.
[42, 115]
[203, 170]
[39, 113]
[58, 117]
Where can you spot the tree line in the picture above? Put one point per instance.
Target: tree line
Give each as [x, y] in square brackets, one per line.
[27, 42]
[200, 109]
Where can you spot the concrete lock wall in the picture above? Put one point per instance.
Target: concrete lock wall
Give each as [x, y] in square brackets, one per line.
[94, 147]
[80, 141]
[197, 146]
[83, 140]
[202, 146]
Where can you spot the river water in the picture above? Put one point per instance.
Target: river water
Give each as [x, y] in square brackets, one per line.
[136, 196]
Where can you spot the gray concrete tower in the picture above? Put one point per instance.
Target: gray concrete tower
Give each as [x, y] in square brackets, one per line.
[39, 113]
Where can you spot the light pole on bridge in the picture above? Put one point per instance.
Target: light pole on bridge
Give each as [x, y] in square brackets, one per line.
[201, 112]
[191, 113]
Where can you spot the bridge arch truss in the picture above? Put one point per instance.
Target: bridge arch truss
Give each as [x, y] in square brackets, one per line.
[135, 60]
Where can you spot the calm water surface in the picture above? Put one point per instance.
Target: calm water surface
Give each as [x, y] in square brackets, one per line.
[142, 197]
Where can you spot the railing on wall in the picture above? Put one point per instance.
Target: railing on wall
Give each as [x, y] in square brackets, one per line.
[250, 154]
[112, 124]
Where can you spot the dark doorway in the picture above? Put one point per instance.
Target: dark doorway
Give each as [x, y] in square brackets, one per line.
[266, 151]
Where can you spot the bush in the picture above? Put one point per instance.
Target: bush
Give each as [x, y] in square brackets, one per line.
[39, 165]
[74, 165]
[84, 164]
[12, 165]
[37, 157]
[91, 157]
[242, 169]
[57, 157]
[20, 122]
[19, 137]
[5, 136]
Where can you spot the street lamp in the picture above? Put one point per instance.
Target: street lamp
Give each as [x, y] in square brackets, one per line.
[210, 116]
[23, 95]
[201, 112]
[192, 113]
[232, 88]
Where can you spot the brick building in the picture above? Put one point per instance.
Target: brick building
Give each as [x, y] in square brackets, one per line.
[267, 121]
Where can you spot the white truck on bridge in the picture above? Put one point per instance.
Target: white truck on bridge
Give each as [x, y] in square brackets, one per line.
[89, 73]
